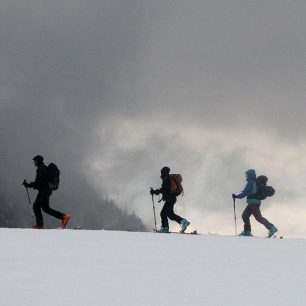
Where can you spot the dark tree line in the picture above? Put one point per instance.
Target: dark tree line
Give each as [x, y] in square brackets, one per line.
[87, 209]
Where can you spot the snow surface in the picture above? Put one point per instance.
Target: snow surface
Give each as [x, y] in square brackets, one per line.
[95, 268]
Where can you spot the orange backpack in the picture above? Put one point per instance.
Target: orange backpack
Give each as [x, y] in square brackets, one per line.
[176, 184]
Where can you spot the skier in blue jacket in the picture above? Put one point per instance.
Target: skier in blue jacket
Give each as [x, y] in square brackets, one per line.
[253, 207]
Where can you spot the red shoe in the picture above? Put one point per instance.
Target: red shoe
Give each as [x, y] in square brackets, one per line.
[65, 221]
[38, 227]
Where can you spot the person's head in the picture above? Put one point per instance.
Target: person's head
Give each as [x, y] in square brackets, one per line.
[38, 160]
[164, 172]
[250, 175]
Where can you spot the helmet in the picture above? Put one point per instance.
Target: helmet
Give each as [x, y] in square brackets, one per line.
[38, 158]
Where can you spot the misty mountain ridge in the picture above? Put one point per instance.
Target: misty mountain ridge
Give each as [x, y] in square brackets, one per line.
[87, 210]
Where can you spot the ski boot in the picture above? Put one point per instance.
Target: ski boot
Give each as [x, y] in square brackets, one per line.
[246, 233]
[65, 221]
[272, 231]
[184, 225]
[38, 227]
[163, 230]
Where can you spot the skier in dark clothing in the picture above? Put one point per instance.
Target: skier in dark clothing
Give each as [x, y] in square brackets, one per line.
[170, 199]
[42, 200]
[253, 207]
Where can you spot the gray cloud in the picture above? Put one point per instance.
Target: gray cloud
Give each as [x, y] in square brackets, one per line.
[73, 73]
[212, 162]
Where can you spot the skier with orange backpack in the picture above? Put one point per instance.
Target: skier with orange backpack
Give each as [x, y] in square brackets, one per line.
[170, 189]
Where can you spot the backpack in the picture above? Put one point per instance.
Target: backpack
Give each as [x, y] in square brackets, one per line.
[263, 191]
[53, 176]
[176, 184]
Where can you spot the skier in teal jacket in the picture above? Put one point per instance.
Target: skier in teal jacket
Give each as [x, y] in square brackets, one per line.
[253, 207]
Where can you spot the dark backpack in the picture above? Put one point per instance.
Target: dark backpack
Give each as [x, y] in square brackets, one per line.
[53, 177]
[176, 184]
[263, 191]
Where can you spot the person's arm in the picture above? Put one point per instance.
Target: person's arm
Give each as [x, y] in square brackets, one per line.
[30, 185]
[246, 191]
[166, 186]
[41, 177]
[155, 191]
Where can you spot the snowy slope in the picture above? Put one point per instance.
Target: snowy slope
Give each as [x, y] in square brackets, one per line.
[91, 268]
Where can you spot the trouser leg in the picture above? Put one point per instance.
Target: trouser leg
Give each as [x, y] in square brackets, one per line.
[246, 218]
[258, 216]
[171, 215]
[168, 212]
[37, 211]
[45, 195]
[163, 215]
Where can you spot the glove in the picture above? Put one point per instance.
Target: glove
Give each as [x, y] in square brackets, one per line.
[157, 192]
[154, 192]
[25, 184]
[234, 196]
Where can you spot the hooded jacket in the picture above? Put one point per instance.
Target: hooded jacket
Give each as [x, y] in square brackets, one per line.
[166, 189]
[41, 180]
[250, 188]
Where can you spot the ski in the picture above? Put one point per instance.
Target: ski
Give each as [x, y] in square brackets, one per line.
[276, 237]
[184, 233]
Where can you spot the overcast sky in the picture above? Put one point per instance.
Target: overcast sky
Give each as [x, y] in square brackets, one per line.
[117, 89]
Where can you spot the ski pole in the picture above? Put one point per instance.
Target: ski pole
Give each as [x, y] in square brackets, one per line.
[154, 211]
[31, 208]
[234, 200]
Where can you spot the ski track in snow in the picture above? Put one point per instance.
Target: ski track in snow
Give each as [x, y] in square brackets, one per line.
[97, 268]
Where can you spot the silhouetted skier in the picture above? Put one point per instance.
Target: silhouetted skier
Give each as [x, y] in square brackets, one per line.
[41, 183]
[170, 198]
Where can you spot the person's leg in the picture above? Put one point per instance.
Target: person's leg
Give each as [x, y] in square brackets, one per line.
[246, 218]
[37, 211]
[47, 209]
[259, 218]
[170, 212]
[163, 215]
